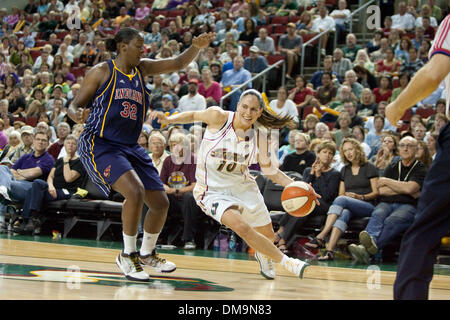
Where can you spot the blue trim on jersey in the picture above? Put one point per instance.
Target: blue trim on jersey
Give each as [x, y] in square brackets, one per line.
[440, 51]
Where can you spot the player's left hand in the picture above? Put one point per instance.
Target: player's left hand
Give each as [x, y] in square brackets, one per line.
[393, 114]
[203, 40]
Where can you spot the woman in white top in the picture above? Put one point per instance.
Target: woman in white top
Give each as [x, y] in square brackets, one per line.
[225, 190]
[283, 106]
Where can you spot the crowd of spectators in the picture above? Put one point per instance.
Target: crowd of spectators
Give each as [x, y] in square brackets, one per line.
[48, 46]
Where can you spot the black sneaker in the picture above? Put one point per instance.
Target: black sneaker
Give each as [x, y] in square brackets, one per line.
[37, 223]
[24, 227]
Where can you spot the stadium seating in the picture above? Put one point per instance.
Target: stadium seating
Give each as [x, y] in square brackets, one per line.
[279, 29]
[282, 20]
[407, 115]
[425, 113]
[175, 13]
[272, 59]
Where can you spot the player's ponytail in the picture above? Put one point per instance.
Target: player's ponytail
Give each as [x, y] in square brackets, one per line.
[267, 118]
[270, 120]
[123, 35]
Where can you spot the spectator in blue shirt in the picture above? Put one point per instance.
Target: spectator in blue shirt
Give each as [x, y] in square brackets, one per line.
[168, 107]
[316, 78]
[155, 35]
[233, 78]
[255, 63]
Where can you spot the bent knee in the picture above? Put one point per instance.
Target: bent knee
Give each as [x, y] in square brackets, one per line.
[233, 220]
[242, 228]
[136, 193]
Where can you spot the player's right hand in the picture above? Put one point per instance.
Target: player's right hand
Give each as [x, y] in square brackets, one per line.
[162, 118]
[81, 115]
[394, 114]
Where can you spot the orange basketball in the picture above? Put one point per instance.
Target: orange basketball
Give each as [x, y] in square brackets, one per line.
[298, 199]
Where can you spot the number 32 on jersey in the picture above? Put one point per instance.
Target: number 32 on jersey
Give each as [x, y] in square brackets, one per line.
[129, 110]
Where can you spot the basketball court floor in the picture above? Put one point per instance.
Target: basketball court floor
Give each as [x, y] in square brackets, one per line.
[43, 268]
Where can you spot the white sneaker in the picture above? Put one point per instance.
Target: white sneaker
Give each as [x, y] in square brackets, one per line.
[266, 265]
[157, 263]
[359, 253]
[296, 266]
[4, 193]
[190, 245]
[130, 266]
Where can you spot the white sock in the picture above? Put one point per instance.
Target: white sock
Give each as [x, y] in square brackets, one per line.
[129, 243]
[284, 259]
[148, 243]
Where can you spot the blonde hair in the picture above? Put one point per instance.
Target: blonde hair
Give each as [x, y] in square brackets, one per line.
[157, 135]
[14, 133]
[343, 115]
[311, 117]
[314, 143]
[178, 137]
[304, 135]
[72, 137]
[360, 154]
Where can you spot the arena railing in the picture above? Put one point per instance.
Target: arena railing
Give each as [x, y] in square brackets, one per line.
[261, 74]
[319, 47]
[362, 17]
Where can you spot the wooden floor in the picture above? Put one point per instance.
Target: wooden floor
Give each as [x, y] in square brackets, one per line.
[52, 271]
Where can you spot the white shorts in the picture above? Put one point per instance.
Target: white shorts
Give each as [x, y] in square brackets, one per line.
[246, 197]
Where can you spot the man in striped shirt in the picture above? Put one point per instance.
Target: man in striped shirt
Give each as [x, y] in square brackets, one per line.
[420, 243]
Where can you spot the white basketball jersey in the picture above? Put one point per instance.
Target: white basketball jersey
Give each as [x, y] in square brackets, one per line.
[441, 45]
[223, 159]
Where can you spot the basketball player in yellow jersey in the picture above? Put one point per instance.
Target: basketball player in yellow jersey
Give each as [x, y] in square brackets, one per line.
[225, 190]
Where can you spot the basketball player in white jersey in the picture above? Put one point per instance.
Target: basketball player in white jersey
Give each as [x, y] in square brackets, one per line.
[225, 190]
[420, 244]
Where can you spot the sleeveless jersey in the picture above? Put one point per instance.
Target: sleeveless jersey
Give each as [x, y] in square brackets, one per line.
[441, 45]
[223, 159]
[119, 107]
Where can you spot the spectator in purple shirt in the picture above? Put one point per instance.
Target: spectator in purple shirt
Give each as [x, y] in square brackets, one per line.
[177, 4]
[15, 183]
[68, 76]
[3, 140]
[142, 11]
